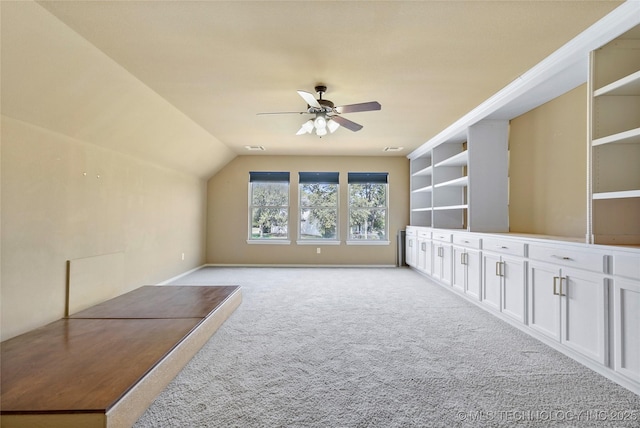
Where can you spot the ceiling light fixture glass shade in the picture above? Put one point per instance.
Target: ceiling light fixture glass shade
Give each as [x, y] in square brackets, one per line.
[332, 125]
[320, 122]
[307, 128]
[321, 131]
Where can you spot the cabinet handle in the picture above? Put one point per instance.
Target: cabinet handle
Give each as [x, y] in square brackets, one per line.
[410, 243]
[466, 242]
[561, 257]
[502, 247]
[499, 269]
[424, 246]
[462, 258]
[556, 280]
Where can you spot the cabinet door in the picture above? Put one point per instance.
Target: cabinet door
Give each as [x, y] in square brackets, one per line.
[626, 327]
[459, 273]
[446, 264]
[491, 281]
[584, 326]
[473, 273]
[442, 263]
[513, 288]
[423, 262]
[410, 250]
[544, 305]
[421, 257]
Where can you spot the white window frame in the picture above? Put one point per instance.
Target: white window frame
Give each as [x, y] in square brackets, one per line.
[268, 177]
[362, 176]
[322, 178]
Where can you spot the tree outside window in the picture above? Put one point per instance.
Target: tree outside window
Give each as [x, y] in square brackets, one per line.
[318, 205]
[368, 207]
[269, 205]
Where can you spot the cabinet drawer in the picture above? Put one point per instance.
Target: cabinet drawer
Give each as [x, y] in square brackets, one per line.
[466, 241]
[423, 234]
[627, 265]
[442, 236]
[504, 246]
[410, 231]
[569, 257]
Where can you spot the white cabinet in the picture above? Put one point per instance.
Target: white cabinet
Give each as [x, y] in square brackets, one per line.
[626, 314]
[503, 284]
[411, 246]
[626, 327]
[424, 252]
[466, 264]
[442, 257]
[582, 299]
[503, 276]
[569, 306]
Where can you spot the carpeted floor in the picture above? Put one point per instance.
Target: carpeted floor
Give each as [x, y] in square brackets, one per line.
[375, 347]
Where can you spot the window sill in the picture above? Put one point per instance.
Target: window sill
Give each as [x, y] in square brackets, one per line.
[317, 242]
[368, 242]
[269, 241]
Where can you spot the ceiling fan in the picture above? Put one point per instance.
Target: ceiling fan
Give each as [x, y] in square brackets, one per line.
[327, 116]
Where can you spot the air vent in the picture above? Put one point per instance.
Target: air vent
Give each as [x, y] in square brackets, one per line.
[393, 149]
[255, 148]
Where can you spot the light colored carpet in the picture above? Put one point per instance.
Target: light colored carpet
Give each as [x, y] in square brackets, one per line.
[375, 347]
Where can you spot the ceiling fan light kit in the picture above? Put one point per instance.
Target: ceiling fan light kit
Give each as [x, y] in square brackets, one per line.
[327, 116]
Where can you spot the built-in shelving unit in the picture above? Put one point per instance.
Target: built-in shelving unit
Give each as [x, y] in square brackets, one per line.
[460, 176]
[478, 161]
[614, 199]
[421, 189]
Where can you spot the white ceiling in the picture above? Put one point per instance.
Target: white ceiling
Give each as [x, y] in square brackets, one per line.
[426, 62]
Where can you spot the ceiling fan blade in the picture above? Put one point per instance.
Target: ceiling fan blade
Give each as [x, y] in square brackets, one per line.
[352, 108]
[310, 99]
[352, 126]
[283, 112]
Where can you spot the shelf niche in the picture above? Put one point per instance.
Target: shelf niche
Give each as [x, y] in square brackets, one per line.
[615, 141]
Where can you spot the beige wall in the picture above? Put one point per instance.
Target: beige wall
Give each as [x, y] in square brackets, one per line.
[548, 168]
[228, 212]
[52, 212]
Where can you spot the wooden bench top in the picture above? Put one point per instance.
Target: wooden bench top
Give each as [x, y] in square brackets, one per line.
[150, 301]
[86, 363]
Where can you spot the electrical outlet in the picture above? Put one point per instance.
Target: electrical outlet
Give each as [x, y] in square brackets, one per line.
[318, 250]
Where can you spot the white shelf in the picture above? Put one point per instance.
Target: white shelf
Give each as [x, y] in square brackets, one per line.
[458, 182]
[631, 136]
[424, 189]
[424, 171]
[629, 85]
[617, 195]
[451, 207]
[461, 159]
[419, 210]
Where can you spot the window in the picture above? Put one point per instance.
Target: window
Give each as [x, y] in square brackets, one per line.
[269, 206]
[318, 206]
[368, 206]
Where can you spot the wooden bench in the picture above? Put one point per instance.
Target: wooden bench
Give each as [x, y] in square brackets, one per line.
[104, 366]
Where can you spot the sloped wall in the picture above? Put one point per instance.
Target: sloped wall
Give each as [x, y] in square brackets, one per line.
[93, 163]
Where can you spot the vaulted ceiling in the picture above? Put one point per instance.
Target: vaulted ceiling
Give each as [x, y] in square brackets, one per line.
[220, 62]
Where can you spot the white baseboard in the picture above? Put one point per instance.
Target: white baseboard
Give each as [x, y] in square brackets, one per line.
[296, 265]
[170, 280]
